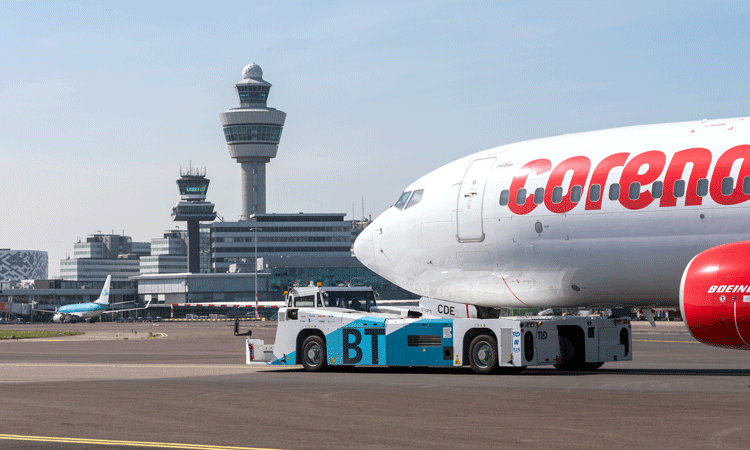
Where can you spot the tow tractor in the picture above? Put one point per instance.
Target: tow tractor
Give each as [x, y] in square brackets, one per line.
[345, 326]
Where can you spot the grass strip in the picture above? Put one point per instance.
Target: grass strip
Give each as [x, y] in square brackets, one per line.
[35, 334]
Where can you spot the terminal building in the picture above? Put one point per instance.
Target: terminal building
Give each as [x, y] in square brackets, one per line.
[164, 290]
[294, 249]
[280, 235]
[168, 254]
[96, 269]
[109, 246]
[102, 255]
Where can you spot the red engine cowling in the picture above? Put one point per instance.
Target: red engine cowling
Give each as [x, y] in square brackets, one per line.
[715, 296]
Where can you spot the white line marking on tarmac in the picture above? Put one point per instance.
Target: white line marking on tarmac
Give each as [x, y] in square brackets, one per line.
[136, 366]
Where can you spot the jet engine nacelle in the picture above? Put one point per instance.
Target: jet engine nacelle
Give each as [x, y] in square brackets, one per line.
[715, 296]
[58, 318]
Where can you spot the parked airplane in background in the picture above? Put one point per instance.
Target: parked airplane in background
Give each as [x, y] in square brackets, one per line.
[641, 216]
[88, 310]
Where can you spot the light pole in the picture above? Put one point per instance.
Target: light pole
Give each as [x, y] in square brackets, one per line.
[255, 240]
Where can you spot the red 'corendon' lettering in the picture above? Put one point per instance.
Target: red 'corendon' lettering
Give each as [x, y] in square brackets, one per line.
[700, 164]
[655, 160]
[600, 177]
[580, 165]
[723, 169]
[700, 158]
[537, 166]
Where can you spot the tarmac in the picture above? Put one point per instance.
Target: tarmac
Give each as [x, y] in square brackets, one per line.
[185, 385]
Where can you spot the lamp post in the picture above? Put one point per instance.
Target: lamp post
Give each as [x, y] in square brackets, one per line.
[255, 240]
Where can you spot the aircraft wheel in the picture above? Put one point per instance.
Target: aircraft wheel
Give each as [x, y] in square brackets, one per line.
[314, 354]
[483, 354]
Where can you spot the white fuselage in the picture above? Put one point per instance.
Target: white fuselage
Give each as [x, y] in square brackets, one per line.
[473, 239]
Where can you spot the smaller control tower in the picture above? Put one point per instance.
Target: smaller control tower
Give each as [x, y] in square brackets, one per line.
[193, 208]
[253, 132]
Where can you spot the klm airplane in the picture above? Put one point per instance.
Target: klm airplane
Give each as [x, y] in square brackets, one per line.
[88, 310]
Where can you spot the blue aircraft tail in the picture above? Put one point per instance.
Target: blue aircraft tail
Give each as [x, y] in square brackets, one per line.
[104, 297]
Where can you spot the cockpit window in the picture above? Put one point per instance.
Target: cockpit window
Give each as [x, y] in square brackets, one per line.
[402, 200]
[416, 197]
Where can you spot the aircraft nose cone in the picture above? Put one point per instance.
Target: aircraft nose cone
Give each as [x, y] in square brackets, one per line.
[364, 248]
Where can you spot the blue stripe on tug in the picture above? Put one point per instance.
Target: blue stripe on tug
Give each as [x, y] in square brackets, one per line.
[361, 342]
[364, 342]
[289, 360]
[422, 343]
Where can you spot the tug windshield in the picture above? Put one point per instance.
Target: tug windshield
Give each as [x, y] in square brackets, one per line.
[358, 301]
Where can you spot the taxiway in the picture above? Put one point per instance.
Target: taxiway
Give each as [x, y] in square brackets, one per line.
[119, 387]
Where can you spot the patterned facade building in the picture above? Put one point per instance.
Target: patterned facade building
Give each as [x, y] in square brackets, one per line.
[16, 265]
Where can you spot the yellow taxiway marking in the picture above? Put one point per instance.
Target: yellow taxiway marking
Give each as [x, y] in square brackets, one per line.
[675, 342]
[18, 437]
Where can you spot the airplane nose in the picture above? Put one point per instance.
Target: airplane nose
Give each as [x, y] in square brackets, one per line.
[364, 248]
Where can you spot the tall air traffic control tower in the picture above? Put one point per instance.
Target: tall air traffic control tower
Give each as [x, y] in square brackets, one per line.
[193, 208]
[253, 132]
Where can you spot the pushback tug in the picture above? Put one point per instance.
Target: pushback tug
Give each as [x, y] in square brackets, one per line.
[344, 326]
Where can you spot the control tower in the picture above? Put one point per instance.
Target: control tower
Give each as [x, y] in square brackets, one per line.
[253, 132]
[193, 208]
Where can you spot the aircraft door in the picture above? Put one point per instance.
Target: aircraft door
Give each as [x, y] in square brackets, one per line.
[470, 199]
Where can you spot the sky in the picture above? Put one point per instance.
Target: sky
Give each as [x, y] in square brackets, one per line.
[102, 104]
